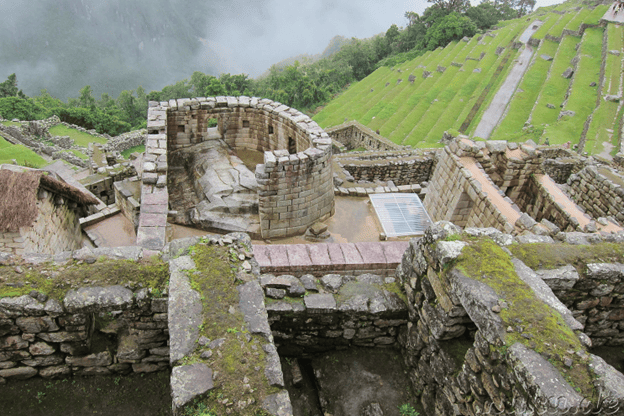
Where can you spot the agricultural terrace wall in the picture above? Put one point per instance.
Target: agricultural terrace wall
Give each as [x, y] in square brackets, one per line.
[354, 135]
[56, 228]
[600, 191]
[469, 347]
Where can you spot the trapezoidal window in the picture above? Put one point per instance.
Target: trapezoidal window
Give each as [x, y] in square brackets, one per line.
[270, 129]
[292, 146]
[245, 123]
[181, 128]
[212, 122]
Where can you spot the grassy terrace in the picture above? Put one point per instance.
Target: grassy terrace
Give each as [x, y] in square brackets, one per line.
[554, 89]
[453, 99]
[394, 123]
[22, 154]
[557, 29]
[575, 23]
[80, 138]
[582, 99]
[526, 95]
[605, 118]
[486, 94]
[549, 19]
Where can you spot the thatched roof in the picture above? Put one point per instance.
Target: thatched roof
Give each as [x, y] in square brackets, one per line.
[18, 196]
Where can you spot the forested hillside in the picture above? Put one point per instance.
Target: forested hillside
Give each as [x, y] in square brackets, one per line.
[303, 85]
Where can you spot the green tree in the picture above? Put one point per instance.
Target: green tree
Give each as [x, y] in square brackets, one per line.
[45, 100]
[86, 99]
[452, 27]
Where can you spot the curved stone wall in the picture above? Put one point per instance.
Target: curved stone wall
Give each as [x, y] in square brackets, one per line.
[295, 181]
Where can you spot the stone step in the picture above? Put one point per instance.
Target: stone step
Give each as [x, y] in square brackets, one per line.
[381, 257]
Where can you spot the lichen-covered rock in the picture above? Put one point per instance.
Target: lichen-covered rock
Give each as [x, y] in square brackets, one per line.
[251, 303]
[21, 305]
[90, 299]
[549, 390]
[184, 310]
[278, 404]
[188, 382]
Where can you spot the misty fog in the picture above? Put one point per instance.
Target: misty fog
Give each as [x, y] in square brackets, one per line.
[113, 45]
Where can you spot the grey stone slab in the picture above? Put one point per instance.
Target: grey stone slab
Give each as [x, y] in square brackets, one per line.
[610, 384]
[90, 299]
[273, 368]
[188, 382]
[184, 315]
[543, 292]
[320, 303]
[251, 302]
[20, 305]
[278, 404]
[548, 387]
[119, 253]
[331, 282]
[561, 278]
[477, 298]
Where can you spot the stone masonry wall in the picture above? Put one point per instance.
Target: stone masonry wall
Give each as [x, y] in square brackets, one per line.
[460, 348]
[595, 297]
[309, 315]
[295, 190]
[354, 135]
[540, 204]
[459, 196]
[56, 228]
[597, 194]
[45, 337]
[402, 171]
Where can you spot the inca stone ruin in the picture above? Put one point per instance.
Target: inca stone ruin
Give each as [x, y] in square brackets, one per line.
[495, 309]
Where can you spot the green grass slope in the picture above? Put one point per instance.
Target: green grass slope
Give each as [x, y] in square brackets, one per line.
[461, 80]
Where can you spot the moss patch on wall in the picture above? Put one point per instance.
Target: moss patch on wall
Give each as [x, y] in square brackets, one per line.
[238, 364]
[551, 256]
[56, 280]
[542, 328]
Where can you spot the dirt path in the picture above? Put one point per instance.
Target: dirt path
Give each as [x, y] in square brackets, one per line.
[501, 100]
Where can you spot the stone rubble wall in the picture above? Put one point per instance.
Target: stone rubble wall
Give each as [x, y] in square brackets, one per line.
[354, 135]
[401, 170]
[599, 196]
[459, 197]
[540, 204]
[561, 169]
[595, 298]
[309, 315]
[454, 342]
[51, 339]
[56, 228]
[126, 141]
